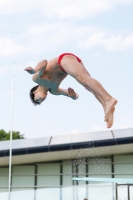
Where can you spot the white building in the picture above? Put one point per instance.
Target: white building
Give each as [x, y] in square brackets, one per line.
[42, 168]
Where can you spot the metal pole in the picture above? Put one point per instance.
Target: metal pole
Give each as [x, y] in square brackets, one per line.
[10, 157]
[12, 103]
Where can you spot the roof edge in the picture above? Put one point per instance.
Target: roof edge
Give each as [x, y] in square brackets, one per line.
[68, 146]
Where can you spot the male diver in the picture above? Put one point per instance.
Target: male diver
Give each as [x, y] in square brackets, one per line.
[49, 75]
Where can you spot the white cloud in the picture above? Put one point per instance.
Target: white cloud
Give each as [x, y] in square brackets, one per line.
[46, 37]
[61, 8]
[95, 39]
[59, 34]
[118, 42]
[110, 41]
[9, 47]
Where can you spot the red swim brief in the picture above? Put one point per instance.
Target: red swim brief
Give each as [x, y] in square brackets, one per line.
[64, 54]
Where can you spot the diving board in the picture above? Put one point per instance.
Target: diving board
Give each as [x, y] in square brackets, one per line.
[107, 180]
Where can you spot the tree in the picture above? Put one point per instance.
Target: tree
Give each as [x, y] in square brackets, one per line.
[6, 135]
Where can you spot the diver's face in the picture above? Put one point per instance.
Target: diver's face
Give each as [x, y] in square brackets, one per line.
[39, 96]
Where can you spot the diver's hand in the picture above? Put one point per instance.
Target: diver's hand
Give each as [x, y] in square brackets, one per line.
[30, 70]
[72, 94]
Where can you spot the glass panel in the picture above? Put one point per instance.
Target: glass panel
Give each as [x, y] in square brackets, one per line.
[23, 176]
[48, 175]
[122, 192]
[100, 167]
[67, 169]
[49, 180]
[81, 188]
[123, 166]
[4, 180]
[67, 192]
[131, 192]
[82, 167]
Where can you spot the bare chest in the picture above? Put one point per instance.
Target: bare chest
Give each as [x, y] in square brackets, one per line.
[52, 78]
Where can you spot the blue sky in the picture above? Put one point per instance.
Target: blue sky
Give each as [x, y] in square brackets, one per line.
[100, 32]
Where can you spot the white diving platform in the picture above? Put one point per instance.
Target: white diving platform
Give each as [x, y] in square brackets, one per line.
[106, 180]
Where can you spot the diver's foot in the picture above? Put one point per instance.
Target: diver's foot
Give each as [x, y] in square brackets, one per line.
[110, 118]
[109, 105]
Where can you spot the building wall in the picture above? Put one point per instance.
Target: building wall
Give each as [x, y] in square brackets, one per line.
[53, 181]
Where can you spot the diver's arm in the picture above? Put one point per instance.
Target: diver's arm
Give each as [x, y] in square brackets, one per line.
[38, 70]
[69, 93]
[40, 67]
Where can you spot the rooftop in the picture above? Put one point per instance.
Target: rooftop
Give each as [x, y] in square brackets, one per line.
[55, 147]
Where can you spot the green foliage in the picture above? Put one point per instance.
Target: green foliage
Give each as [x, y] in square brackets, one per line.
[6, 135]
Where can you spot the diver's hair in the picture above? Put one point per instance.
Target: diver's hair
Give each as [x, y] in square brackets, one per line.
[32, 95]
